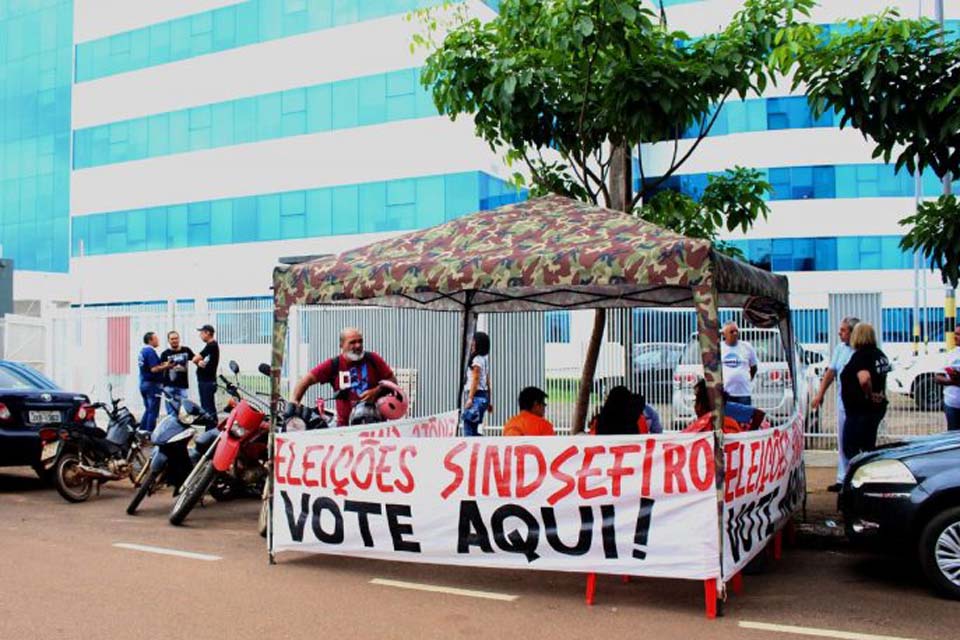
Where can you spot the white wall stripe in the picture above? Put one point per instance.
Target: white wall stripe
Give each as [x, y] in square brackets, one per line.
[349, 51]
[428, 146]
[95, 19]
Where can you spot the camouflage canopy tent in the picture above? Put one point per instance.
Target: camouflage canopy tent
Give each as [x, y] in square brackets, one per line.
[543, 254]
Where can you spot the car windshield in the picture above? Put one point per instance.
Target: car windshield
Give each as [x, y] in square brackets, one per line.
[767, 344]
[10, 379]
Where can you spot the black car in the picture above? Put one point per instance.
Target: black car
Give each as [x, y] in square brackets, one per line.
[907, 496]
[28, 402]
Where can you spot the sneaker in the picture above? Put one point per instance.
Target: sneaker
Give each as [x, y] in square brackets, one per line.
[835, 487]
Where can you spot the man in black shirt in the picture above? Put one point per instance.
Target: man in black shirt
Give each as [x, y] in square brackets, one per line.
[176, 382]
[207, 362]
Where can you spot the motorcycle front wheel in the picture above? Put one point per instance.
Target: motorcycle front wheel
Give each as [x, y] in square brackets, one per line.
[144, 489]
[70, 484]
[191, 493]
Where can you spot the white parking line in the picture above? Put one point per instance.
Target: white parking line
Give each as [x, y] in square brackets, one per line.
[166, 552]
[812, 631]
[416, 586]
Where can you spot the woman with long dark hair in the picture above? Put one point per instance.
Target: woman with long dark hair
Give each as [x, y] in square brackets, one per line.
[477, 403]
[620, 415]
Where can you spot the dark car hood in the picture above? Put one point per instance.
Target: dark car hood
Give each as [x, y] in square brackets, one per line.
[923, 445]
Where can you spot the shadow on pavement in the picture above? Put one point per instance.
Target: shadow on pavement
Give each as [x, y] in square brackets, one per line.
[21, 479]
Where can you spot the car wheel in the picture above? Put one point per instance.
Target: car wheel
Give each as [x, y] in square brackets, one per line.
[940, 552]
[927, 394]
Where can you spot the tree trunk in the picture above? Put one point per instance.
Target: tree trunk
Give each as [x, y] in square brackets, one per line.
[621, 193]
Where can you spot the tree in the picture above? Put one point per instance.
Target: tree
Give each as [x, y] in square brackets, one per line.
[565, 87]
[898, 82]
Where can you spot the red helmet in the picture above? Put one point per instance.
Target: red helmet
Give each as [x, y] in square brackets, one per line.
[393, 404]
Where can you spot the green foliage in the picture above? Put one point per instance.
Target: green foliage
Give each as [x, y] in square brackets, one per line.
[571, 79]
[935, 234]
[895, 80]
[731, 200]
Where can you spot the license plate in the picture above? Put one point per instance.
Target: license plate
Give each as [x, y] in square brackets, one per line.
[44, 417]
[50, 451]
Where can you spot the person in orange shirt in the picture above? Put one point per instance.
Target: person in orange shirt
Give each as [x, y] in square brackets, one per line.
[530, 420]
[704, 421]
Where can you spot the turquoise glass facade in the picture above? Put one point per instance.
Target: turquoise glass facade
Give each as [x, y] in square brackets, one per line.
[36, 45]
[356, 102]
[237, 25]
[854, 253]
[393, 205]
[824, 181]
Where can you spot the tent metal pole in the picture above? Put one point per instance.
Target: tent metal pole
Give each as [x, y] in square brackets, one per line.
[468, 327]
[280, 319]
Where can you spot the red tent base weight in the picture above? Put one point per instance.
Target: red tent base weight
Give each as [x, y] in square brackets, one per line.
[713, 604]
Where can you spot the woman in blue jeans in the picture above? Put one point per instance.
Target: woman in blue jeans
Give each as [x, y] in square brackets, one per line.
[478, 385]
[863, 384]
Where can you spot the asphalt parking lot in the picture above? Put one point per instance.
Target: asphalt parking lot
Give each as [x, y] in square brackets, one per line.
[89, 570]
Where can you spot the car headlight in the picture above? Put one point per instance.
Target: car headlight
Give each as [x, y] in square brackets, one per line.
[882, 472]
[185, 416]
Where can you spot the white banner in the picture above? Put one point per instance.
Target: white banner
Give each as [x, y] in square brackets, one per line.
[637, 505]
[442, 425]
[764, 485]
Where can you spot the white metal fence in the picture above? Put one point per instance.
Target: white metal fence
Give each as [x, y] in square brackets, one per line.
[95, 346]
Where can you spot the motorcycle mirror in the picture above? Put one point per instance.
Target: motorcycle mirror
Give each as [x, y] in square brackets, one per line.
[110, 389]
[265, 369]
[234, 367]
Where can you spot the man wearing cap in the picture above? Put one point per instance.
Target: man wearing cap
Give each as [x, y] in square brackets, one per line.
[207, 362]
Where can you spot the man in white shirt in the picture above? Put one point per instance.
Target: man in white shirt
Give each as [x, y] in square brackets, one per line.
[950, 379]
[841, 356]
[739, 364]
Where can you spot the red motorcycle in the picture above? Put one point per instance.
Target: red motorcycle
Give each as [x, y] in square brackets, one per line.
[236, 462]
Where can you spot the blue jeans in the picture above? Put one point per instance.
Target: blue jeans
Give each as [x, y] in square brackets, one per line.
[179, 396]
[953, 418]
[473, 415]
[150, 391]
[208, 394]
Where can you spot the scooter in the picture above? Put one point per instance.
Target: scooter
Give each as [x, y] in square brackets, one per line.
[171, 461]
[235, 462]
[85, 456]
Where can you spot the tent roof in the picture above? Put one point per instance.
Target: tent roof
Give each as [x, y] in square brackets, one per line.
[544, 253]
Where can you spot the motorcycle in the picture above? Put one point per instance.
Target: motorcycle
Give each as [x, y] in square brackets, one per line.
[84, 455]
[171, 460]
[235, 463]
[295, 419]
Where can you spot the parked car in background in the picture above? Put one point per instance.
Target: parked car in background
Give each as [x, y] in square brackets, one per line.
[772, 390]
[30, 401]
[906, 498]
[653, 367]
[913, 376]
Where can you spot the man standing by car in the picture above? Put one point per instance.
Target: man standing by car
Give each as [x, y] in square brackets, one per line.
[841, 356]
[150, 368]
[176, 381]
[950, 379]
[354, 374]
[207, 362]
[739, 364]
